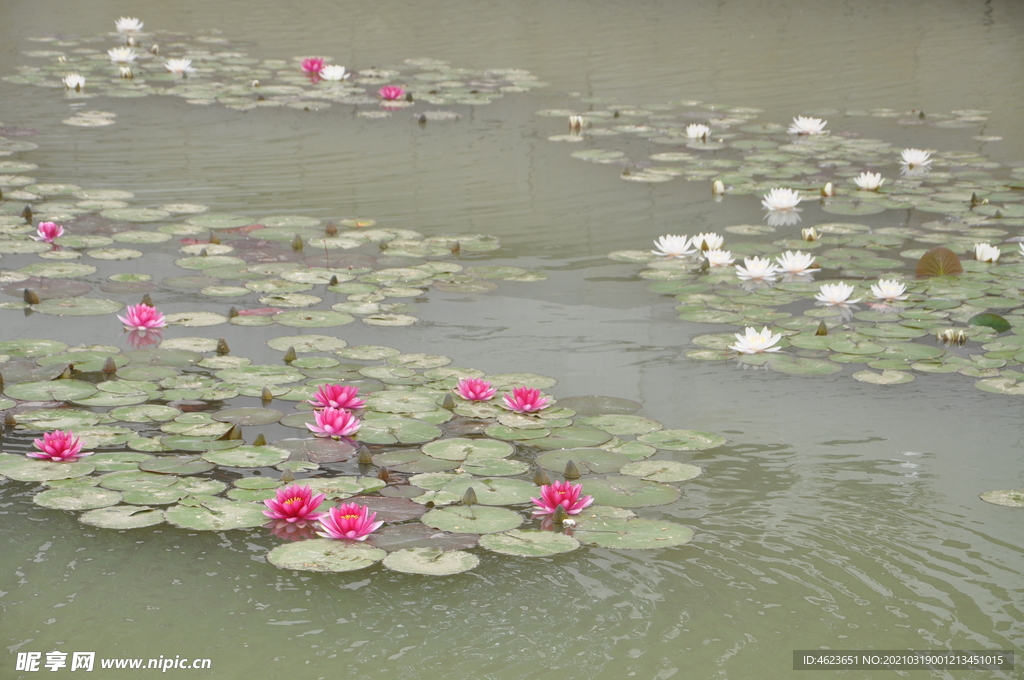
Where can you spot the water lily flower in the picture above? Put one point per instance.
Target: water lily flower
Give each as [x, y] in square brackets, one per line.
[719, 258]
[391, 93]
[122, 55]
[869, 181]
[577, 123]
[59, 447]
[832, 294]
[142, 318]
[672, 245]
[313, 65]
[781, 200]
[295, 503]
[525, 400]
[805, 125]
[350, 521]
[335, 423]
[718, 188]
[334, 72]
[915, 158]
[47, 231]
[889, 290]
[697, 131]
[337, 396]
[475, 389]
[828, 191]
[986, 252]
[74, 81]
[810, 234]
[180, 67]
[707, 241]
[128, 25]
[565, 494]
[126, 72]
[750, 341]
[757, 269]
[795, 263]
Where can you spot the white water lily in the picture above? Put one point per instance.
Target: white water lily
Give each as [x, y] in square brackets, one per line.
[719, 258]
[869, 181]
[672, 245]
[889, 290]
[780, 200]
[750, 341]
[985, 252]
[828, 191]
[697, 131]
[122, 55]
[809, 234]
[915, 158]
[805, 125]
[126, 72]
[835, 294]
[707, 241]
[757, 269]
[179, 66]
[334, 72]
[718, 187]
[795, 263]
[128, 25]
[577, 123]
[74, 81]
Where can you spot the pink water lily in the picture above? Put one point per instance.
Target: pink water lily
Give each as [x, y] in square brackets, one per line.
[350, 521]
[295, 503]
[59, 447]
[47, 231]
[335, 423]
[475, 389]
[525, 400]
[565, 494]
[391, 92]
[337, 396]
[313, 65]
[142, 317]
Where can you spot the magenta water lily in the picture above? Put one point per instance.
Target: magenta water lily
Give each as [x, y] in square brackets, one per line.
[142, 317]
[525, 400]
[337, 396]
[335, 423]
[59, 446]
[391, 93]
[294, 503]
[565, 494]
[475, 389]
[351, 522]
[47, 231]
[313, 65]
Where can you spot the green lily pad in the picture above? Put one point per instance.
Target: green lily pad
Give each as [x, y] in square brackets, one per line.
[886, 377]
[632, 534]
[412, 462]
[128, 480]
[122, 517]
[630, 492]
[509, 380]
[389, 401]
[577, 436]
[261, 375]
[337, 488]
[398, 537]
[77, 498]
[483, 466]
[493, 491]
[311, 318]
[460, 448]
[196, 319]
[325, 555]
[682, 440]
[993, 321]
[621, 424]
[176, 465]
[248, 416]
[430, 561]
[474, 519]
[147, 413]
[216, 514]
[529, 543]
[32, 347]
[397, 431]
[587, 460]
[122, 460]
[661, 470]
[306, 343]
[367, 352]
[25, 469]
[248, 456]
[803, 366]
[51, 390]
[1012, 498]
[939, 261]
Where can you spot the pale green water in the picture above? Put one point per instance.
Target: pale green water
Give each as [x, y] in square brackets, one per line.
[841, 515]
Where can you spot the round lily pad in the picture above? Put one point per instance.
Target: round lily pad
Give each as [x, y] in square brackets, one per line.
[430, 561]
[397, 537]
[249, 415]
[886, 377]
[459, 448]
[77, 498]
[587, 460]
[51, 390]
[572, 437]
[146, 413]
[412, 462]
[635, 534]
[248, 456]
[529, 543]
[176, 465]
[629, 492]
[216, 514]
[1013, 498]
[621, 424]
[122, 517]
[397, 431]
[661, 470]
[306, 343]
[325, 555]
[493, 491]
[682, 440]
[312, 318]
[25, 469]
[474, 519]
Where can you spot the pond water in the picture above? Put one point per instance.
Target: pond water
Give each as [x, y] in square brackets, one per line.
[838, 515]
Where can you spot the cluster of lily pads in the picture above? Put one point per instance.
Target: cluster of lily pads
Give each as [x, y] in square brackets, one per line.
[166, 449]
[210, 69]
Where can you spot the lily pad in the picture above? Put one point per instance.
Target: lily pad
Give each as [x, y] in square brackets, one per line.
[493, 491]
[306, 343]
[993, 321]
[459, 448]
[313, 319]
[397, 431]
[572, 437]
[630, 492]
[431, 561]
[661, 470]
[886, 377]
[248, 416]
[398, 537]
[325, 555]
[587, 460]
[51, 390]
[475, 519]
[1013, 498]
[620, 425]
[216, 514]
[939, 261]
[412, 462]
[529, 543]
[248, 456]
[77, 498]
[682, 440]
[25, 469]
[123, 517]
[632, 534]
[176, 465]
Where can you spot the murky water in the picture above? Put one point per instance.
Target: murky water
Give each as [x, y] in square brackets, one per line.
[840, 515]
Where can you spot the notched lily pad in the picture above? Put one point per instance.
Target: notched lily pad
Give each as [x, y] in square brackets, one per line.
[1012, 498]
[661, 470]
[529, 543]
[123, 517]
[474, 519]
[632, 534]
[216, 514]
[77, 498]
[630, 492]
[248, 456]
[682, 440]
[325, 555]
[431, 561]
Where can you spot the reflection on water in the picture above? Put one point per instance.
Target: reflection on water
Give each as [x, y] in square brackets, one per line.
[841, 515]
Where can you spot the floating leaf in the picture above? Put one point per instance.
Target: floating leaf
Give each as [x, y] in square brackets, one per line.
[25, 469]
[77, 498]
[176, 465]
[325, 555]
[123, 517]
[418, 535]
[621, 424]
[431, 561]
[493, 491]
[661, 470]
[477, 519]
[587, 460]
[459, 448]
[529, 543]
[635, 534]
[1013, 498]
[248, 456]
[630, 492]
[216, 514]
[939, 261]
[993, 321]
[682, 440]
